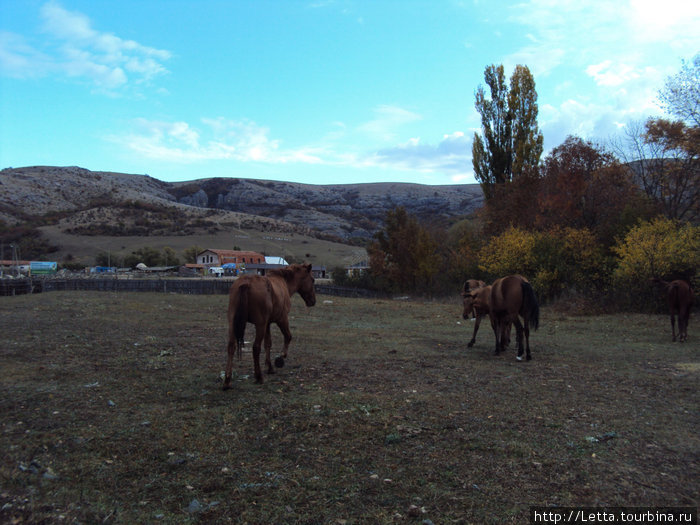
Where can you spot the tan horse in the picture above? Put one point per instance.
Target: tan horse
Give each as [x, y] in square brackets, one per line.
[263, 300]
[476, 305]
[512, 297]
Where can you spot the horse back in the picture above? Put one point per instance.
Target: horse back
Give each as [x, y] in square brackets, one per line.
[507, 294]
[259, 303]
[680, 296]
[280, 301]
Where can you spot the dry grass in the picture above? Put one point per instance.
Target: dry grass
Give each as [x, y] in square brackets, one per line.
[113, 412]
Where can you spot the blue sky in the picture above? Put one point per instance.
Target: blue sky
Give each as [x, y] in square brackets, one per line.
[316, 91]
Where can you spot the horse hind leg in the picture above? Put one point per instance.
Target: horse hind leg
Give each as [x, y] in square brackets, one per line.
[526, 331]
[268, 347]
[673, 326]
[259, 335]
[683, 319]
[519, 337]
[231, 350]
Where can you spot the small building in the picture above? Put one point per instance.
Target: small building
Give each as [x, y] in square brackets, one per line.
[276, 260]
[357, 269]
[10, 267]
[210, 257]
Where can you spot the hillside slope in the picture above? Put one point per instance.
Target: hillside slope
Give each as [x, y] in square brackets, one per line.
[77, 209]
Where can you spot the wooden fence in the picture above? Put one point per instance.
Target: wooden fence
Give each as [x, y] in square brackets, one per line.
[184, 286]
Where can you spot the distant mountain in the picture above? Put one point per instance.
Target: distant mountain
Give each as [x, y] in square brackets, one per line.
[344, 211]
[124, 204]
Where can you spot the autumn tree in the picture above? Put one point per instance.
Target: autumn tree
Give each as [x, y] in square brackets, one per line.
[664, 154]
[191, 253]
[680, 95]
[677, 167]
[512, 143]
[403, 256]
[583, 186]
[659, 248]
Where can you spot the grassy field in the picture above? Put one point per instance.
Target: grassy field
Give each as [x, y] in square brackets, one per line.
[113, 413]
[84, 248]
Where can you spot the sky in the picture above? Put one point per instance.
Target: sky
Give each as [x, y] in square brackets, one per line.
[317, 91]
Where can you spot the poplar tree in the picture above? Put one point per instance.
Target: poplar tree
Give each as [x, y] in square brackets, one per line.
[512, 143]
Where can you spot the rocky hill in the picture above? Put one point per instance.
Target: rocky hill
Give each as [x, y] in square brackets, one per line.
[117, 203]
[345, 211]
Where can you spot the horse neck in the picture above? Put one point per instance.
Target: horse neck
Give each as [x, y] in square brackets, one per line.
[290, 281]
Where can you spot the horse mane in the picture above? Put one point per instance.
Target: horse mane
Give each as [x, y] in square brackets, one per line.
[286, 273]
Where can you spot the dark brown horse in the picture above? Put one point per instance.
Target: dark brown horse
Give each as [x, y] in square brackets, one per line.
[680, 300]
[263, 301]
[511, 298]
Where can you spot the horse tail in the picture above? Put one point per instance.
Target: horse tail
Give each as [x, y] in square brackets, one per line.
[240, 318]
[530, 305]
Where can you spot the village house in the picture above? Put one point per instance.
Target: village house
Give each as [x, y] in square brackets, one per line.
[210, 258]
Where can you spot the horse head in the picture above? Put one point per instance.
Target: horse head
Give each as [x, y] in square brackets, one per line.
[305, 284]
[468, 299]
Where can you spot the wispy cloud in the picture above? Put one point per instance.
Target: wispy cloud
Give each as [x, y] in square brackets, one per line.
[212, 139]
[387, 121]
[243, 141]
[604, 47]
[74, 49]
[451, 156]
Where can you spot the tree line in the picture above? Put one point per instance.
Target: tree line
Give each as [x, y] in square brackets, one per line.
[588, 220]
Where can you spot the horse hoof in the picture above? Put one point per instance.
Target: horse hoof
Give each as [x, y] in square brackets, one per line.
[279, 362]
[519, 358]
[226, 387]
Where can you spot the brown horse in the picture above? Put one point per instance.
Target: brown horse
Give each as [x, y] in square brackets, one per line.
[680, 300]
[511, 298]
[263, 301]
[472, 284]
[476, 305]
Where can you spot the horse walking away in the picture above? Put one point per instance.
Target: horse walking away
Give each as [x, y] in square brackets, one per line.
[263, 300]
[680, 300]
[512, 297]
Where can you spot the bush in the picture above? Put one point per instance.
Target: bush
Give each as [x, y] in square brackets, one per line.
[659, 248]
[557, 261]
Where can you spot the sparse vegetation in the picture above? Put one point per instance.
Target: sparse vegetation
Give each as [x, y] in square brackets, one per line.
[113, 413]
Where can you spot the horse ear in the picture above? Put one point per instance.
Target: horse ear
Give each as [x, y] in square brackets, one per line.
[308, 267]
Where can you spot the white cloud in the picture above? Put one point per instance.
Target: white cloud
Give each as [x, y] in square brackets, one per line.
[73, 48]
[247, 142]
[452, 156]
[214, 139]
[19, 59]
[388, 119]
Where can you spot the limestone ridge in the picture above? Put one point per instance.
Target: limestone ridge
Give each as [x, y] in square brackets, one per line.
[343, 211]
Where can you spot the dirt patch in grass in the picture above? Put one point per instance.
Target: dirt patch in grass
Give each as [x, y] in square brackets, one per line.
[113, 412]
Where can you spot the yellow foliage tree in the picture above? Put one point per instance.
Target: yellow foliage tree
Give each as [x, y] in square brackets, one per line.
[658, 248]
[509, 253]
[554, 261]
